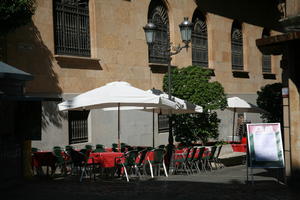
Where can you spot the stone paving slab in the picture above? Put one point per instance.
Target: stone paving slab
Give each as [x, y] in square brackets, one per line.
[226, 184]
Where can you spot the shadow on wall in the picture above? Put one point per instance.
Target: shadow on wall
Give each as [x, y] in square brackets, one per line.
[51, 115]
[27, 51]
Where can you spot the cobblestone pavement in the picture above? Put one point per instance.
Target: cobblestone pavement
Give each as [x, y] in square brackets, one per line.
[227, 183]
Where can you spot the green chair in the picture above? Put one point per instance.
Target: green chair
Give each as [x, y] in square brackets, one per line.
[68, 148]
[190, 158]
[89, 147]
[99, 148]
[198, 160]
[80, 164]
[180, 161]
[129, 163]
[34, 149]
[158, 161]
[123, 147]
[210, 157]
[60, 161]
[57, 147]
[114, 147]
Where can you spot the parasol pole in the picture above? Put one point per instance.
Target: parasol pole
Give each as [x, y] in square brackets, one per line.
[119, 144]
[233, 125]
[153, 142]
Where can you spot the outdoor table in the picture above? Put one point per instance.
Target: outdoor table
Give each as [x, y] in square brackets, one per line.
[45, 158]
[104, 159]
[108, 149]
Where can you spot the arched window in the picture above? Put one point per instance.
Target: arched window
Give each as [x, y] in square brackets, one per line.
[71, 27]
[237, 46]
[199, 40]
[266, 59]
[158, 14]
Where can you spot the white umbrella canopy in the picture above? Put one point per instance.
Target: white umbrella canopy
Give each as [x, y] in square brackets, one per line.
[240, 105]
[184, 106]
[115, 94]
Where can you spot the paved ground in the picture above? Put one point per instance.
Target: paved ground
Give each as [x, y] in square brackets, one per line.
[226, 183]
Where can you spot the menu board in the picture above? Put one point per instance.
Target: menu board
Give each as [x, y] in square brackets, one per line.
[265, 145]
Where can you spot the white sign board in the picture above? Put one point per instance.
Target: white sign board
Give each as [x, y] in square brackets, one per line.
[265, 145]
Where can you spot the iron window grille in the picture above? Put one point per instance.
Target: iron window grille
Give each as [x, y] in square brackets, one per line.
[78, 126]
[266, 63]
[71, 27]
[199, 44]
[237, 48]
[266, 59]
[163, 123]
[160, 44]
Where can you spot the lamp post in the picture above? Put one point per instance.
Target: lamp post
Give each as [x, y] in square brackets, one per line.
[186, 28]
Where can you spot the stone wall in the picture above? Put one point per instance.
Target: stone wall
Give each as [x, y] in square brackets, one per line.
[119, 53]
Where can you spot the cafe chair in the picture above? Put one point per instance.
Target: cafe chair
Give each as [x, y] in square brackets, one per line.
[216, 159]
[114, 147]
[99, 148]
[198, 161]
[34, 149]
[89, 147]
[210, 157]
[180, 160]
[60, 161]
[127, 162]
[140, 161]
[158, 162]
[80, 164]
[190, 158]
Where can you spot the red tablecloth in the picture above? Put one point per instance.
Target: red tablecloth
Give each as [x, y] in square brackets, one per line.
[105, 159]
[239, 147]
[43, 159]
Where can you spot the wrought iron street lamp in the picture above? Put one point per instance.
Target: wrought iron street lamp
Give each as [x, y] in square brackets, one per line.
[186, 28]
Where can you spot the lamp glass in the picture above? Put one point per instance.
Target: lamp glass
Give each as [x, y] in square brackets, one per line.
[149, 36]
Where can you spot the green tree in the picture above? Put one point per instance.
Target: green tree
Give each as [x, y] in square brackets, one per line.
[270, 99]
[15, 13]
[193, 84]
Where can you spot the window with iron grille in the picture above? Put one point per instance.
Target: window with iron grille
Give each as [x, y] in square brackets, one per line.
[71, 27]
[237, 46]
[199, 43]
[78, 126]
[163, 123]
[159, 16]
[266, 59]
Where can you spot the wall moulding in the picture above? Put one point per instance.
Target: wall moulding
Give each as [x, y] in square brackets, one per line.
[75, 62]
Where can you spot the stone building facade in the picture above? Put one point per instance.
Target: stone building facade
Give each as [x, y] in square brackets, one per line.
[287, 45]
[115, 49]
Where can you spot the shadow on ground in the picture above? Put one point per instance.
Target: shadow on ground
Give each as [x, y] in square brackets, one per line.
[71, 188]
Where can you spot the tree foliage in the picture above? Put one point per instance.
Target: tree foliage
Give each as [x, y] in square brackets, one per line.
[193, 84]
[270, 99]
[15, 13]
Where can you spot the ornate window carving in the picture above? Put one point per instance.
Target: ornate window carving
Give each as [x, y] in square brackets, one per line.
[158, 14]
[199, 42]
[237, 46]
[71, 27]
